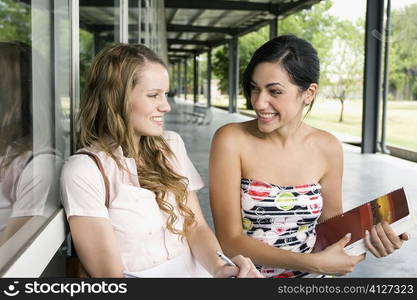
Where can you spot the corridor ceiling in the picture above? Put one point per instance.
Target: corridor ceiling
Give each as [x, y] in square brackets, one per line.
[193, 25]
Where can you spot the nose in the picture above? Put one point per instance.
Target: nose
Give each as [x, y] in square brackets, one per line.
[164, 105]
[260, 101]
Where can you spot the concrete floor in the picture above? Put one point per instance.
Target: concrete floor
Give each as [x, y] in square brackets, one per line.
[366, 176]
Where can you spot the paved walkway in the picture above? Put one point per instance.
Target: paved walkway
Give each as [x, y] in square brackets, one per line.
[366, 176]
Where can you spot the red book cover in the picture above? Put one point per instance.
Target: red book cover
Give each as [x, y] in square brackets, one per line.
[392, 207]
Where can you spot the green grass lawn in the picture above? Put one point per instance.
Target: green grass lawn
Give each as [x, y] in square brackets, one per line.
[401, 119]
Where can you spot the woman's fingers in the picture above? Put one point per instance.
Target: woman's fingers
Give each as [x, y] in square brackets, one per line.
[383, 233]
[246, 267]
[404, 236]
[382, 240]
[243, 264]
[253, 271]
[377, 243]
[358, 258]
[391, 235]
[229, 271]
[369, 245]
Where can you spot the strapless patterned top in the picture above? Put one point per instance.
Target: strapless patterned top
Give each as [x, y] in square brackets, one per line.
[281, 216]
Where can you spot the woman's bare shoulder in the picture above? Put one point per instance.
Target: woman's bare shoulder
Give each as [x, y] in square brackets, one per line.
[232, 136]
[234, 130]
[326, 141]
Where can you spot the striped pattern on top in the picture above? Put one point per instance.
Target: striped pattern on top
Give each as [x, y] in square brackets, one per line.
[281, 216]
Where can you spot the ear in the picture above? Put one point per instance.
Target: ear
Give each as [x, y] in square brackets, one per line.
[310, 93]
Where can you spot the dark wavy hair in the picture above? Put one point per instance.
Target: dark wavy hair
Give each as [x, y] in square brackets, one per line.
[297, 56]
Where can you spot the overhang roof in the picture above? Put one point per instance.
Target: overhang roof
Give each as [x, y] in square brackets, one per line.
[193, 26]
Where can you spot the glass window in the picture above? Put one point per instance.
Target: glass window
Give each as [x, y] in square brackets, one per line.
[134, 21]
[34, 117]
[337, 33]
[401, 121]
[153, 32]
[99, 27]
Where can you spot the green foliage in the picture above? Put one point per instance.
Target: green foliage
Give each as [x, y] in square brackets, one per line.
[202, 73]
[86, 54]
[220, 66]
[339, 44]
[345, 74]
[14, 21]
[247, 46]
[403, 56]
[318, 27]
[314, 25]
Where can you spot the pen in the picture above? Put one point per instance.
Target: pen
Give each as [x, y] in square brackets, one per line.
[225, 258]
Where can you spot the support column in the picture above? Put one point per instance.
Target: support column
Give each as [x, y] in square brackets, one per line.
[185, 79]
[209, 77]
[74, 75]
[181, 74]
[195, 78]
[273, 28]
[233, 73]
[124, 21]
[178, 78]
[385, 80]
[372, 75]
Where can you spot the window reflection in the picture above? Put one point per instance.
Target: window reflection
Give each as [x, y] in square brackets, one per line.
[27, 175]
[99, 27]
[33, 142]
[35, 106]
[15, 135]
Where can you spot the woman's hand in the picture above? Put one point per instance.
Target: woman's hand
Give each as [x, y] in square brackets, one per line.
[335, 261]
[382, 240]
[245, 268]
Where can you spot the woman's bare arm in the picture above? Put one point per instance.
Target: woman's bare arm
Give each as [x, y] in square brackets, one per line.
[96, 246]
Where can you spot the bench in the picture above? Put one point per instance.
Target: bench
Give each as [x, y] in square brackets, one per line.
[200, 114]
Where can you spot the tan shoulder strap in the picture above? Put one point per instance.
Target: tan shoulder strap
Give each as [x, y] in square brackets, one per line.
[100, 167]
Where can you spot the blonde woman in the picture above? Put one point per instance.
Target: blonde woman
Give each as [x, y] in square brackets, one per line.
[153, 225]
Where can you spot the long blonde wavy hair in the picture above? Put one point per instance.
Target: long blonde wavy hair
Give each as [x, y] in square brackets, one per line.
[104, 123]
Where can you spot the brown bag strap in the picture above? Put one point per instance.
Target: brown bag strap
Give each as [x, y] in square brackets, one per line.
[100, 167]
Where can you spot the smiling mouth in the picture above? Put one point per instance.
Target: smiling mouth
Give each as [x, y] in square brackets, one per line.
[266, 116]
[157, 119]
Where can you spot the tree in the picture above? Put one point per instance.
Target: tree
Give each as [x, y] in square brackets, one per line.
[317, 26]
[314, 25]
[403, 57]
[345, 73]
[339, 45]
[86, 54]
[247, 46]
[14, 21]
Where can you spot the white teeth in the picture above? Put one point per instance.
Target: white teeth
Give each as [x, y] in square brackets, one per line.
[158, 119]
[266, 116]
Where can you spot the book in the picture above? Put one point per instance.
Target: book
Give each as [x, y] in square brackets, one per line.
[392, 208]
[181, 266]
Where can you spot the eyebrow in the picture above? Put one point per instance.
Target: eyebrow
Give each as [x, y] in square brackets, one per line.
[156, 89]
[269, 84]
